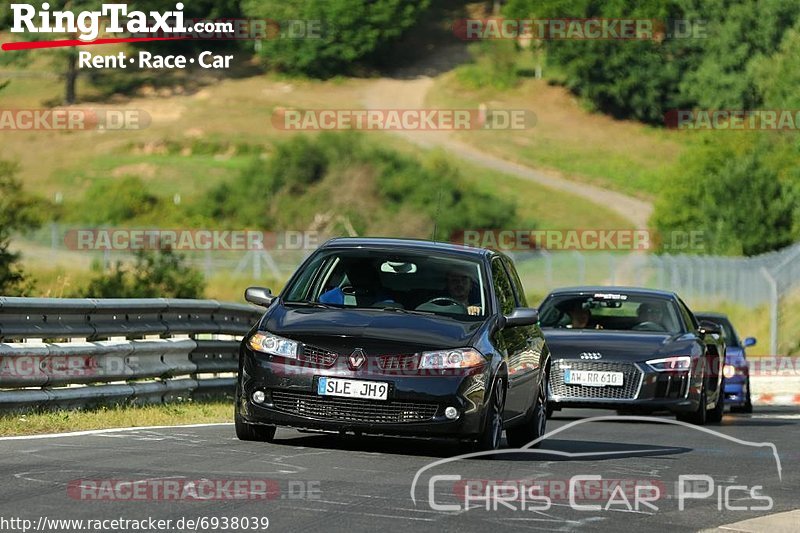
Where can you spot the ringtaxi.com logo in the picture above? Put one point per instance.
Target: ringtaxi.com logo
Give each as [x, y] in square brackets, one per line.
[72, 119]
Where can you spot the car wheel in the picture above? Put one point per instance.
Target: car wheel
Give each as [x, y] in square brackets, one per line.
[253, 432]
[698, 417]
[535, 423]
[747, 407]
[489, 438]
[715, 415]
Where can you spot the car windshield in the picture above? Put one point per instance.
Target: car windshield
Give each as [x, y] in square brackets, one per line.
[610, 311]
[731, 340]
[400, 282]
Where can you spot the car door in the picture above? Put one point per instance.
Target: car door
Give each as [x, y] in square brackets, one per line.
[515, 342]
[532, 358]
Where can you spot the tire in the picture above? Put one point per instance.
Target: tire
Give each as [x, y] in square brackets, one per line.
[535, 423]
[253, 432]
[748, 403]
[492, 433]
[699, 417]
[715, 415]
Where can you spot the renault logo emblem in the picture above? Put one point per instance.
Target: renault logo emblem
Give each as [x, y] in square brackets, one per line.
[591, 355]
[357, 359]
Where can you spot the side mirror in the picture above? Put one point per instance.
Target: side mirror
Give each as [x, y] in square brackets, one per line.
[522, 316]
[749, 341]
[709, 328]
[259, 296]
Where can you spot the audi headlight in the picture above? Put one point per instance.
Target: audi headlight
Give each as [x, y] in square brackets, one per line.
[444, 359]
[268, 343]
[671, 364]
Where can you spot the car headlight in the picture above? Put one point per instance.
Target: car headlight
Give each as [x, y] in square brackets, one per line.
[268, 343]
[671, 364]
[444, 359]
[732, 370]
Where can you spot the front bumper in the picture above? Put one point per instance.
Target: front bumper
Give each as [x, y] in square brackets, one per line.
[736, 391]
[415, 406]
[643, 389]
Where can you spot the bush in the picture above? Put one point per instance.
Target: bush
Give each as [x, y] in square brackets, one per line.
[154, 275]
[117, 200]
[363, 182]
[742, 194]
[494, 65]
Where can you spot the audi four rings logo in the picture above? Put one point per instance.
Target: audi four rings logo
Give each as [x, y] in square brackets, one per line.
[591, 355]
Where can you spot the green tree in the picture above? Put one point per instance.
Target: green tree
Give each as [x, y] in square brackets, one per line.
[161, 274]
[18, 211]
[643, 79]
[738, 190]
[352, 32]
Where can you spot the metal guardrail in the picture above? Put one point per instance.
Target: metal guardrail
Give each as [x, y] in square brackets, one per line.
[66, 353]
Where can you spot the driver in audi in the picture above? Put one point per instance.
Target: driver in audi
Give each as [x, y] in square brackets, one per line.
[650, 313]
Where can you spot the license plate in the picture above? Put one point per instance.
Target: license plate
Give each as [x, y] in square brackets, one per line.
[353, 388]
[592, 378]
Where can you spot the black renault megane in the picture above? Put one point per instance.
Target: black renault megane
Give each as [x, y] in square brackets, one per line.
[396, 337]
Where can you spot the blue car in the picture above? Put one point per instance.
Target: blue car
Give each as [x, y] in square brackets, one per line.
[737, 376]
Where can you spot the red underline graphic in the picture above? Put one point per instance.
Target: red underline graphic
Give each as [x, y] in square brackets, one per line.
[31, 45]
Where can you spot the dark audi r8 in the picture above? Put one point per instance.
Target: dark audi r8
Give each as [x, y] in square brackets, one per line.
[634, 350]
[398, 337]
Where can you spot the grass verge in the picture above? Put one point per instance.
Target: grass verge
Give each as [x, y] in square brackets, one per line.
[117, 417]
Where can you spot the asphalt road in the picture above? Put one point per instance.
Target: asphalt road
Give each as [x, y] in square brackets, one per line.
[330, 483]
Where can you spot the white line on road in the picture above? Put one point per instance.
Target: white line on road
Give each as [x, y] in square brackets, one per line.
[109, 430]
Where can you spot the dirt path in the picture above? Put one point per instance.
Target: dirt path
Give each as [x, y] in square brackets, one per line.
[402, 93]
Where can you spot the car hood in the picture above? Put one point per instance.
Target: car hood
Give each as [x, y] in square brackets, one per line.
[375, 331]
[618, 345]
[735, 356]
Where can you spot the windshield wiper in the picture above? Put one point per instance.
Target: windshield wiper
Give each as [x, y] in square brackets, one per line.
[405, 311]
[309, 303]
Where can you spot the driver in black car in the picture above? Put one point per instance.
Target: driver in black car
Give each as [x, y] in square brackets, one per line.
[581, 317]
[650, 314]
[459, 288]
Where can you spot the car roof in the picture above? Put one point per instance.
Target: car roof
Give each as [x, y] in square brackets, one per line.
[613, 288]
[414, 245]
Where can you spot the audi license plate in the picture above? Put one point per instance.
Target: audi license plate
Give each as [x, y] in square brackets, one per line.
[353, 388]
[592, 378]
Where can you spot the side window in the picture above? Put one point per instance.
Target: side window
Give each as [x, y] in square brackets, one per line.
[502, 287]
[519, 290]
[688, 317]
